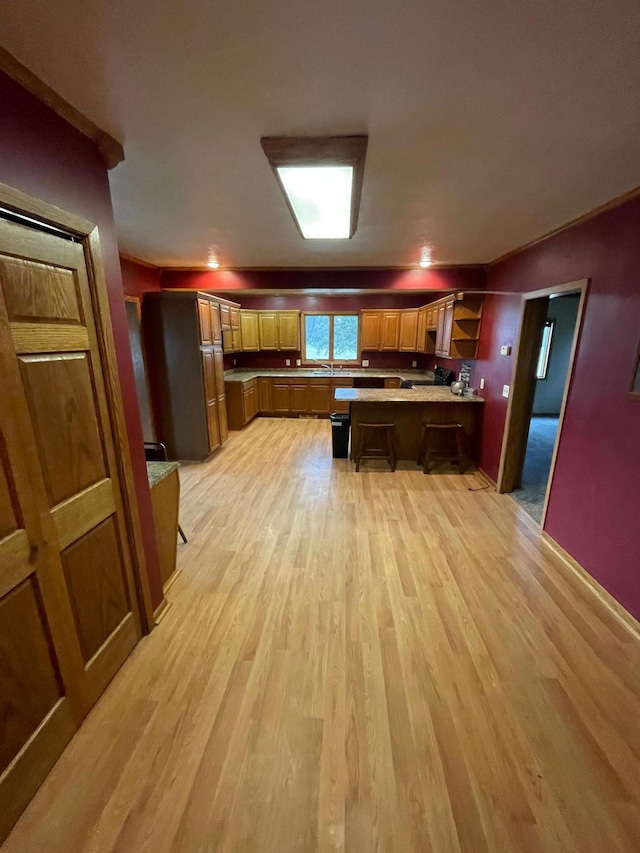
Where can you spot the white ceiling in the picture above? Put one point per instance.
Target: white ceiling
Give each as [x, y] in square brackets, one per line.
[490, 123]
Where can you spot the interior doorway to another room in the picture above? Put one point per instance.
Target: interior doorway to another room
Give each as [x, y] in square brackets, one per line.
[550, 326]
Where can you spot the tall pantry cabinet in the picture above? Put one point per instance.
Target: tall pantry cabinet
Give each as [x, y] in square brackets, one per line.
[183, 338]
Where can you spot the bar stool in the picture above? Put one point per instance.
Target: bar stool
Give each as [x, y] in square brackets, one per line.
[431, 446]
[372, 434]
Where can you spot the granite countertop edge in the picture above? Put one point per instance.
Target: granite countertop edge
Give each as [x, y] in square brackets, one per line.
[158, 471]
[421, 394]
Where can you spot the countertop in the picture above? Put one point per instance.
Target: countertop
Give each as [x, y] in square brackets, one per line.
[421, 394]
[310, 373]
[157, 471]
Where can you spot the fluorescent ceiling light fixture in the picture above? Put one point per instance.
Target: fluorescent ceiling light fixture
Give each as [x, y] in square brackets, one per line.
[321, 179]
[320, 197]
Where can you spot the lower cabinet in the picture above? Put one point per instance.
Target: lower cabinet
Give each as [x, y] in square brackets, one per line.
[299, 396]
[242, 403]
[320, 396]
[280, 396]
[264, 394]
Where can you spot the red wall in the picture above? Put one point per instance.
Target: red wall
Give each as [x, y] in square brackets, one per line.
[42, 155]
[451, 278]
[138, 279]
[594, 506]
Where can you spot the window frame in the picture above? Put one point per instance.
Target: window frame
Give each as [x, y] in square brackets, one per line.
[331, 315]
[544, 354]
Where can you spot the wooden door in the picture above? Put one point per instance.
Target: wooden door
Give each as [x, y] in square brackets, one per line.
[204, 321]
[250, 402]
[249, 327]
[218, 360]
[281, 397]
[211, 399]
[288, 330]
[390, 330]
[267, 326]
[68, 610]
[409, 330]
[371, 329]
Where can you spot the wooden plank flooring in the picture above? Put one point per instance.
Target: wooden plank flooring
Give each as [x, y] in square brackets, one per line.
[356, 662]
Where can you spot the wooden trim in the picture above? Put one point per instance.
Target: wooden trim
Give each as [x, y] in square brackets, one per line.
[626, 619]
[21, 203]
[315, 151]
[95, 270]
[517, 397]
[585, 217]
[138, 303]
[161, 611]
[111, 150]
[132, 259]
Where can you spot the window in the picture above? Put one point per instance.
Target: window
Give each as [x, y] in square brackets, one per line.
[330, 337]
[545, 350]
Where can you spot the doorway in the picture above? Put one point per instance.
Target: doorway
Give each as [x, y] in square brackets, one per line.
[549, 330]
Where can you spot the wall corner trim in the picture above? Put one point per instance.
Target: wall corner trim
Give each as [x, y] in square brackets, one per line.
[111, 150]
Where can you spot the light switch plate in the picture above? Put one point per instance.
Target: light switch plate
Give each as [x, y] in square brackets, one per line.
[414, 364]
[298, 362]
[505, 390]
[505, 350]
[482, 383]
[365, 362]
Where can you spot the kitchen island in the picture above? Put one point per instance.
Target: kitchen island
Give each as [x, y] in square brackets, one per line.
[407, 408]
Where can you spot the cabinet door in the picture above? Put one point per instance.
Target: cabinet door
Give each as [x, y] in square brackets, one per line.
[204, 319]
[281, 397]
[439, 328]
[432, 318]
[299, 396]
[225, 316]
[390, 330]
[264, 394]
[288, 330]
[409, 331]
[236, 337]
[209, 374]
[249, 329]
[213, 425]
[234, 314]
[422, 330]
[216, 327]
[371, 330]
[447, 329]
[218, 360]
[267, 329]
[319, 398]
[250, 402]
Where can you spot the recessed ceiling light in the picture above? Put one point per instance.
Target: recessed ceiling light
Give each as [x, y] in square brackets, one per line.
[321, 179]
[213, 262]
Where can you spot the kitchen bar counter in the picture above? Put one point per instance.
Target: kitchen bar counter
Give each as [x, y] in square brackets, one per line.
[407, 409]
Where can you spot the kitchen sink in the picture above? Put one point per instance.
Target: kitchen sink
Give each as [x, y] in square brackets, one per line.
[335, 374]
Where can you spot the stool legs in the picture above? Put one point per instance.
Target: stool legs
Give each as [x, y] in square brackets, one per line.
[366, 448]
[428, 451]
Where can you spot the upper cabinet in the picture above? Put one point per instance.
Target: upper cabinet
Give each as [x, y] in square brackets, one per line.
[279, 330]
[249, 331]
[380, 330]
[457, 327]
[409, 330]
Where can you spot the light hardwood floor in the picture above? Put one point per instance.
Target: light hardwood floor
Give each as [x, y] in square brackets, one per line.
[359, 662]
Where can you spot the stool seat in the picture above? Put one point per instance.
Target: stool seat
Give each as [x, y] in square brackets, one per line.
[369, 435]
[431, 446]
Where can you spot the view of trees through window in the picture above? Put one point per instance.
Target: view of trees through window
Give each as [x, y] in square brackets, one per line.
[330, 337]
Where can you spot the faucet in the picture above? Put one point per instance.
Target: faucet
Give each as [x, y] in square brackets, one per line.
[329, 368]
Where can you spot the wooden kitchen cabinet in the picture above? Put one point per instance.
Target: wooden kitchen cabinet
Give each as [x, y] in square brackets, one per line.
[264, 394]
[267, 330]
[185, 371]
[390, 330]
[225, 316]
[319, 397]
[409, 330]
[242, 402]
[249, 330]
[279, 330]
[392, 382]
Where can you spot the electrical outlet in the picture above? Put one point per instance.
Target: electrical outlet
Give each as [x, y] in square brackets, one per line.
[482, 383]
[505, 350]
[365, 362]
[414, 364]
[298, 362]
[505, 390]
[288, 362]
[235, 361]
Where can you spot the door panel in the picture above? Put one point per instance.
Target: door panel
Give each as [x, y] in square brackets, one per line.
[267, 325]
[68, 610]
[204, 320]
[64, 416]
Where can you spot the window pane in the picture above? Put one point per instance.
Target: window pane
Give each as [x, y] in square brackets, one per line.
[316, 336]
[345, 337]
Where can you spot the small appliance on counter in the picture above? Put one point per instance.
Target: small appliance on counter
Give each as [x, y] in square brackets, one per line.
[440, 377]
[458, 387]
